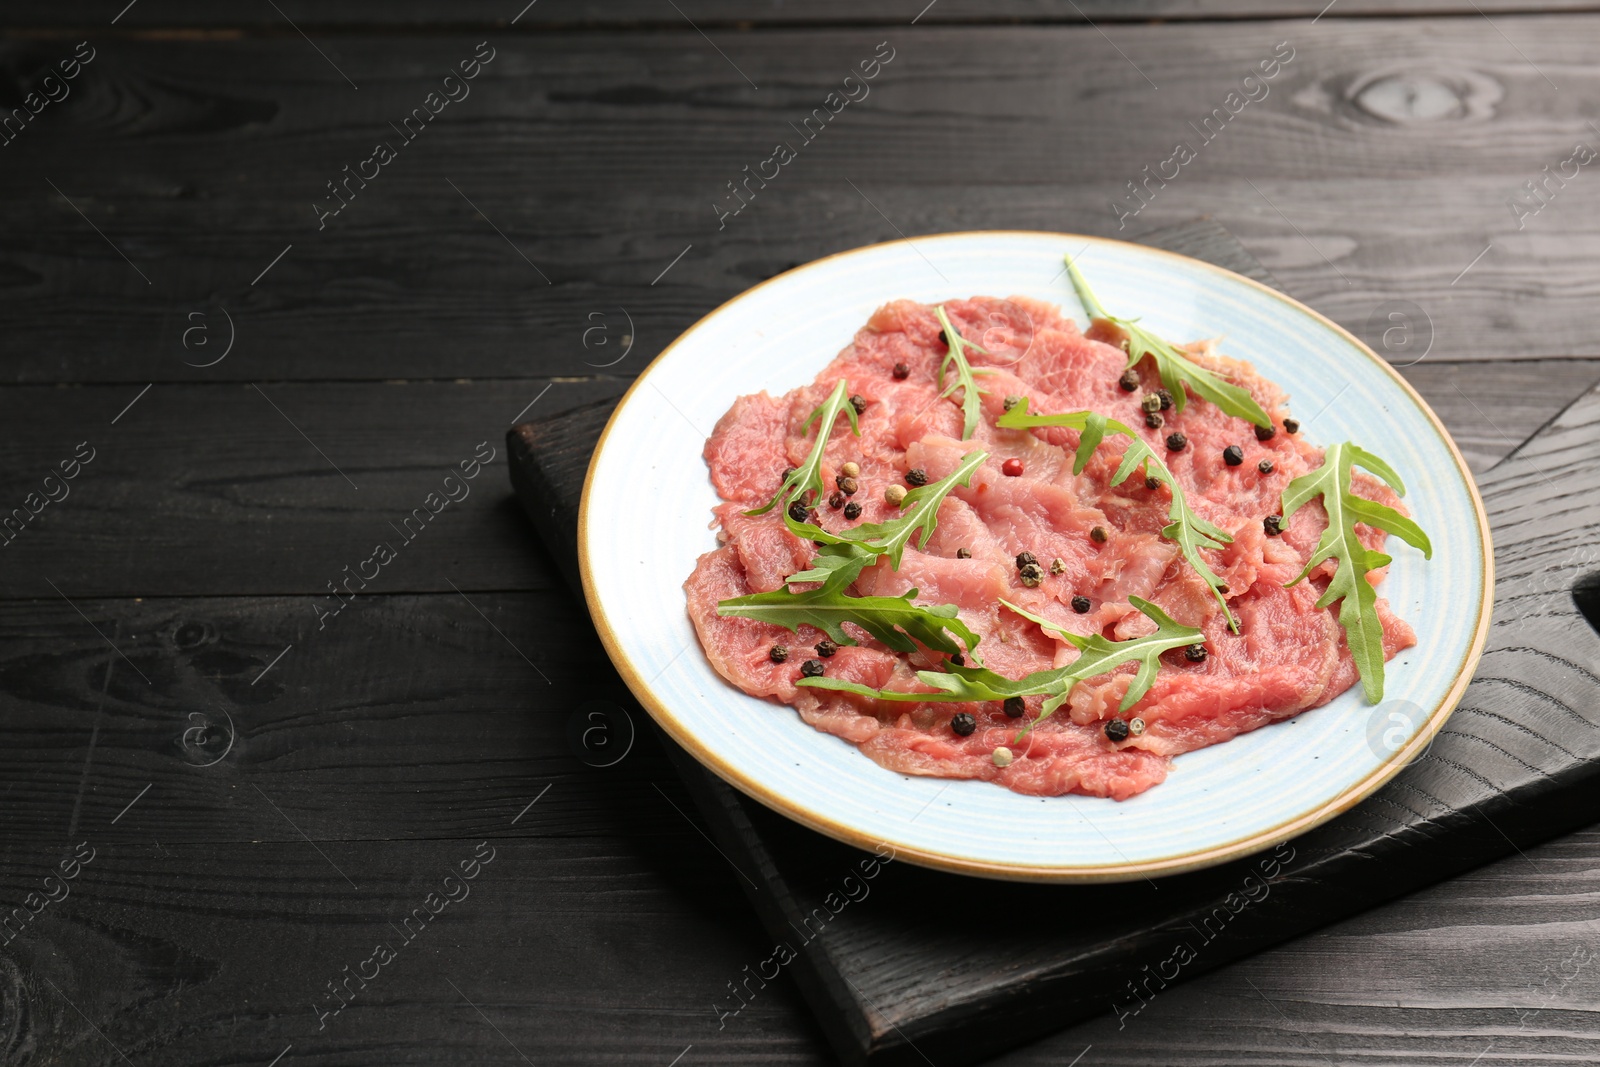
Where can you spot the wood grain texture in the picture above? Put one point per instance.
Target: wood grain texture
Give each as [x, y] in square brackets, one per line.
[1382, 161]
[335, 15]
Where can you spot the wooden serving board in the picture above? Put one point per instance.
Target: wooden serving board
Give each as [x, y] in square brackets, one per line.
[914, 965]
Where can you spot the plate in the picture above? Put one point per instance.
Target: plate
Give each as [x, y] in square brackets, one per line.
[646, 508]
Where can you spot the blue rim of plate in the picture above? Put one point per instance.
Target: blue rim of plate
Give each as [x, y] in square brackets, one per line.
[666, 707]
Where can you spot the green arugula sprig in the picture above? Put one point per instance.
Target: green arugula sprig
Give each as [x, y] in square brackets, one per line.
[1097, 656]
[1176, 368]
[807, 478]
[1358, 612]
[893, 620]
[1184, 528]
[965, 380]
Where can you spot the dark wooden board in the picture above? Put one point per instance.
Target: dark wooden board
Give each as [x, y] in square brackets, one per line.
[335, 15]
[1516, 765]
[599, 156]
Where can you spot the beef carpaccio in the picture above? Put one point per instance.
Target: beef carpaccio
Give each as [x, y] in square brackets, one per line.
[1289, 655]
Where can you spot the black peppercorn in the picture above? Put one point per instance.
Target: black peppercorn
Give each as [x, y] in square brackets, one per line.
[1176, 442]
[1265, 433]
[944, 338]
[847, 485]
[1291, 425]
[852, 511]
[1272, 525]
[777, 653]
[963, 553]
[1195, 653]
[798, 511]
[1129, 380]
[1166, 398]
[1117, 729]
[826, 648]
[1031, 575]
[836, 500]
[811, 668]
[1152, 482]
[1014, 707]
[1265, 466]
[964, 724]
[1233, 455]
[786, 472]
[1098, 534]
[959, 660]
[1081, 604]
[1154, 420]
[858, 402]
[916, 476]
[901, 371]
[1025, 558]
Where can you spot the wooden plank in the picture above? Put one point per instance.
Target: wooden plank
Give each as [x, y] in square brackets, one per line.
[265, 513]
[601, 183]
[734, 14]
[209, 489]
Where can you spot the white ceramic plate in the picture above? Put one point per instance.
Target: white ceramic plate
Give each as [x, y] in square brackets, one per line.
[647, 502]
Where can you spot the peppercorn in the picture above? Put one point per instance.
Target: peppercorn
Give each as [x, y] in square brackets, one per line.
[1001, 756]
[1098, 534]
[858, 402]
[852, 511]
[901, 371]
[826, 648]
[1265, 466]
[944, 338]
[1154, 420]
[1265, 433]
[1012, 467]
[1150, 402]
[1152, 482]
[1195, 653]
[836, 500]
[1117, 730]
[963, 723]
[1136, 726]
[895, 494]
[1025, 558]
[847, 485]
[1166, 398]
[1176, 442]
[1272, 525]
[1011, 402]
[1233, 455]
[786, 472]
[1081, 604]
[963, 553]
[1013, 707]
[1031, 575]
[958, 660]
[798, 511]
[916, 476]
[850, 469]
[777, 653]
[1291, 425]
[1129, 380]
[1058, 565]
[811, 668]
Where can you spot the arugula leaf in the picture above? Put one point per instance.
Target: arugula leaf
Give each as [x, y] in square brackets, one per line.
[1357, 598]
[1176, 368]
[956, 354]
[1185, 527]
[807, 478]
[919, 513]
[1098, 656]
[893, 620]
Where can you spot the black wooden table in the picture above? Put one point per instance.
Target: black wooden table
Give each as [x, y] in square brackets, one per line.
[239, 748]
